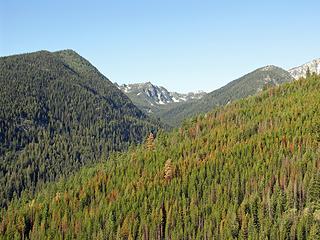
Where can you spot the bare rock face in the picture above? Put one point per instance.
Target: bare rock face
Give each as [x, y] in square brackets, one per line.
[157, 95]
[301, 71]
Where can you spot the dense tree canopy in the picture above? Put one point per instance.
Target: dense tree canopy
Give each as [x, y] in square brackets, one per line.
[242, 87]
[249, 170]
[58, 113]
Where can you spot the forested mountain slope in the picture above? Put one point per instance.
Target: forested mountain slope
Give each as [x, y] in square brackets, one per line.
[248, 170]
[58, 113]
[242, 87]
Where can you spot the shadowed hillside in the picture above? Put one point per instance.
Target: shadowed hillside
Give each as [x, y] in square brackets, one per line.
[58, 113]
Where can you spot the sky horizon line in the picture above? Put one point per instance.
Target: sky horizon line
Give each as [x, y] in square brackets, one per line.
[155, 83]
[183, 45]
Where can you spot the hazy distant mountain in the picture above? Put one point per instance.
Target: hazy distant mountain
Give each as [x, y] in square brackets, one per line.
[155, 100]
[247, 85]
[300, 71]
[155, 95]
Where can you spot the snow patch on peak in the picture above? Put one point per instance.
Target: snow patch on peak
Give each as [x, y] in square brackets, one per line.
[301, 71]
[158, 95]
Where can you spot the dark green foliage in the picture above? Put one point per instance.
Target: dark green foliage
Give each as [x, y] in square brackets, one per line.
[243, 171]
[58, 113]
[245, 86]
[314, 190]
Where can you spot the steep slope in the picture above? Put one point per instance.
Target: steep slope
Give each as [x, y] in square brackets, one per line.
[58, 113]
[249, 170]
[247, 85]
[301, 71]
[154, 100]
[148, 94]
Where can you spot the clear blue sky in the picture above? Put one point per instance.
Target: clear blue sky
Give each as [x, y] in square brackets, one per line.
[182, 45]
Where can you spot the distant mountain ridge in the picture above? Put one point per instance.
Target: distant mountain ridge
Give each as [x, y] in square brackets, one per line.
[157, 94]
[172, 108]
[242, 87]
[156, 100]
[301, 71]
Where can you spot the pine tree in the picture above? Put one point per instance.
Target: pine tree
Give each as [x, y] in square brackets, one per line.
[244, 227]
[150, 142]
[314, 233]
[168, 170]
[314, 190]
[21, 226]
[308, 73]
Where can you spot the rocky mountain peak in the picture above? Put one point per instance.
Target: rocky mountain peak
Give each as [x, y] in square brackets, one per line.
[301, 71]
[157, 94]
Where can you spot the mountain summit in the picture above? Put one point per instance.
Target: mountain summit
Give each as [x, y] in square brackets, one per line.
[172, 108]
[242, 87]
[154, 94]
[58, 113]
[156, 100]
[301, 71]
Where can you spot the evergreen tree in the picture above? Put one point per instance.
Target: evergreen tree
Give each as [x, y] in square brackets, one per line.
[314, 190]
[168, 170]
